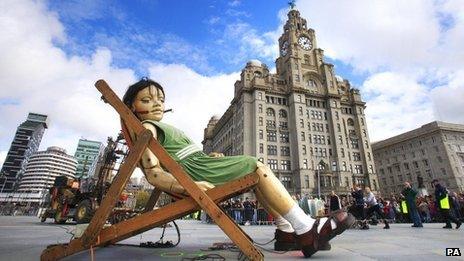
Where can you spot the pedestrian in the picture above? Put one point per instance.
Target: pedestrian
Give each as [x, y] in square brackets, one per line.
[441, 195]
[410, 197]
[334, 202]
[248, 211]
[424, 211]
[358, 205]
[374, 207]
[455, 205]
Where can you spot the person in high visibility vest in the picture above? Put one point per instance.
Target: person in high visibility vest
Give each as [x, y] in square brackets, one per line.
[443, 202]
[410, 199]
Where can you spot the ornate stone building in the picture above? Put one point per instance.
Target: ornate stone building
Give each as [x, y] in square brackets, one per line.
[433, 151]
[301, 121]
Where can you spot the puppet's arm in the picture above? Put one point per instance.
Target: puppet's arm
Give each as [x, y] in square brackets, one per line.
[159, 178]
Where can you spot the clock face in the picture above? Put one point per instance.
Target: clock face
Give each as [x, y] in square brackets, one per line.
[305, 43]
[284, 48]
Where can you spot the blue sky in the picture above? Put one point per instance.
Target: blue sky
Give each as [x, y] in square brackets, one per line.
[406, 57]
[141, 31]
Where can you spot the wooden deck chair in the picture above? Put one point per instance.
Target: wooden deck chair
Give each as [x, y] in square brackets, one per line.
[97, 236]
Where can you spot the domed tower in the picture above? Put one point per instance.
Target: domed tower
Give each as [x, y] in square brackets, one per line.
[208, 134]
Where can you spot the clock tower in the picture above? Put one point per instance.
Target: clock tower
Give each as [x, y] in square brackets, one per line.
[304, 122]
[300, 62]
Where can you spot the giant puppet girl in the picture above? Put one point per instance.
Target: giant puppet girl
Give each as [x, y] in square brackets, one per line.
[146, 100]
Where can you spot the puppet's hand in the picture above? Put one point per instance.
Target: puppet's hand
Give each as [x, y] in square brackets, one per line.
[216, 155]
[204, 185]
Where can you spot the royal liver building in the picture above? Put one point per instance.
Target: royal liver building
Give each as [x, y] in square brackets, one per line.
[305, 122]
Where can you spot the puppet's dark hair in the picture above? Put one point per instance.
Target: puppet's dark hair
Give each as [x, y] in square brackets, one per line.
[132, 91]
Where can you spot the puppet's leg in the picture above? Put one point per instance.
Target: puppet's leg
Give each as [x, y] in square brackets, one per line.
[281, 223]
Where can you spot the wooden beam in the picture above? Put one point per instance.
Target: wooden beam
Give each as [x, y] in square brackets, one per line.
[117, 186]
[151, 219]
[155, 194]
[108, 202]
[227, 225]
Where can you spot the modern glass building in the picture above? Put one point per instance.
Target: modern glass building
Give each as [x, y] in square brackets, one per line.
[87, 154]
[43, 167]
[26, 142]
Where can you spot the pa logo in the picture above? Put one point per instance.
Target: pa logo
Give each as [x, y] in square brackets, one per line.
[453, 251]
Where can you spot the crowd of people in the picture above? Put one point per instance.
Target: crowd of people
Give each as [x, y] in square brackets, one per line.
[406, 207]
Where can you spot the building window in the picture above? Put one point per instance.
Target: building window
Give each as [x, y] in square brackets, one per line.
[305, 164]
[261, 148]
[304, 149]
[334, 166]
[300, 110]
[306, 181]
[271, 149]
[342, 152]
[356, 156]
[371, 169]
[406, 165]
[260, 108]
[354, 143]
[301, 123]
[416, 165]
[358, 169]
[350, 122]
[340, 139]
[272, 163]
[302, 136]
[344, 166]
[285, 165]
[270, 112]
[369, 156]
[261, 134]
[260, 121]
[285, 151]
[270, 124]
[282, 114]
[286, 181]
[284, 137]
[271, 135]
[283, 125]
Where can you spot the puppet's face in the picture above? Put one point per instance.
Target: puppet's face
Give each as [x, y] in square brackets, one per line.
[149, 104]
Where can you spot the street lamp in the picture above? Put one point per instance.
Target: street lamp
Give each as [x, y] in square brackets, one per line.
[320, 166]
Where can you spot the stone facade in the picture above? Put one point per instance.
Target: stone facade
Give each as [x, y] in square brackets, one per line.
[301, 121]
[433, 151]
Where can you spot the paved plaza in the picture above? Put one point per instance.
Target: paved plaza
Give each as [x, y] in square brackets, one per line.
[24, 238]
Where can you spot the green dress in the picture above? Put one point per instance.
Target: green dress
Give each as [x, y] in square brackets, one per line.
[196, 163]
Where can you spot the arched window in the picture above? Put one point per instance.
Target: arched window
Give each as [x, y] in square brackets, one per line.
[350, 122]
[282, 114]
[257, 74]
[260, 108]
[270, 112]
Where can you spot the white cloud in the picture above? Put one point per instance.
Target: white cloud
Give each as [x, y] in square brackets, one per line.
[406, 48]
[194, 98]
[42, 78]
[396, 103]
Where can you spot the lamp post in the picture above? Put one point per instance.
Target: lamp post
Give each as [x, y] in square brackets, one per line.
[320, 166]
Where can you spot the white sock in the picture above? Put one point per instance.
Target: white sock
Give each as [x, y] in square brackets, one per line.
[283, 225]
[322, 222]
[301, 222]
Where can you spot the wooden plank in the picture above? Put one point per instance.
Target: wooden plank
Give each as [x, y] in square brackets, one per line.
[108, 202]
[155, 194]
[117, 186]
[152, 219]
[227, 225]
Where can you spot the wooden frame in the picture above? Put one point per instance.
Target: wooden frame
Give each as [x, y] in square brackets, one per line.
[95, 235]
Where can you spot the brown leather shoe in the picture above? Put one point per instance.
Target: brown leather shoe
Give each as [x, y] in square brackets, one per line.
[309, 240]
[343, 219]
[285, 241]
